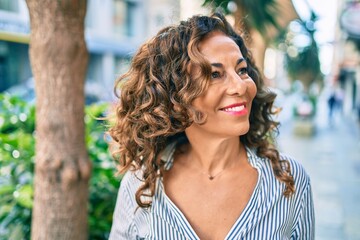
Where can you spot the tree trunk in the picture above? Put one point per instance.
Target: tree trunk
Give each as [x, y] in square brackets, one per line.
[59, 58]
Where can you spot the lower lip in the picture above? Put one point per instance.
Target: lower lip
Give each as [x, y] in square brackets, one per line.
[237, 113]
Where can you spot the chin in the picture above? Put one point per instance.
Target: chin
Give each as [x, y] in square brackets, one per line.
[243, 130]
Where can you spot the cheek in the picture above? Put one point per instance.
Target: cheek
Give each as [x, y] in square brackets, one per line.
[207, 100]
[196, 103]
[202, 103]
[252, 90]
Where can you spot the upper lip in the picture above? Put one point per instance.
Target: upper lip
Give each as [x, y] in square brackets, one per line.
[234, 105]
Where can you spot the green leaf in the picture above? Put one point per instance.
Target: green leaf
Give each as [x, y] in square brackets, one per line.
[5, 209]
[256, 14]
[6, 189]
[24, 196]
[16, 232]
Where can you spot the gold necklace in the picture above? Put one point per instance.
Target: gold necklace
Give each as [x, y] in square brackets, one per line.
[211, 177]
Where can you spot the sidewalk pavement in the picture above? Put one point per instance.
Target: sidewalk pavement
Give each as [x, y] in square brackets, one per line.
[332, 159]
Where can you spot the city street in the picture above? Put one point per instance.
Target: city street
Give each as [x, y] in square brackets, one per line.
[332, 159]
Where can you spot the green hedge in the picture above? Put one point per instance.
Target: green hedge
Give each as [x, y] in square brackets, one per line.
[17, 124]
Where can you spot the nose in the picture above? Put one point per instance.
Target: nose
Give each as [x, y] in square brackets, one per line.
[236, 85]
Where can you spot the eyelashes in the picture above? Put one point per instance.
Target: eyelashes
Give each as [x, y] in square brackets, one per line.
[215, 74]
[241, 72]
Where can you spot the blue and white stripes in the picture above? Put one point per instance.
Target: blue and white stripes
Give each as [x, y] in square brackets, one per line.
[268, 215]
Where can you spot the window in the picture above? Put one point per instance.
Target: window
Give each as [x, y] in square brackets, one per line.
[122, 65]
[9, 5]
[124, 18]
[120, 17]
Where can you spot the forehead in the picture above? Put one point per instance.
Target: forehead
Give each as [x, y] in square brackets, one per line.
[218, 43]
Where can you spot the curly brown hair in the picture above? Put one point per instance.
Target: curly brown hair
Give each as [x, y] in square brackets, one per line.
[156, 95]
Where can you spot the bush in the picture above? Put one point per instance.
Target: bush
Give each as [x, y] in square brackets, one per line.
[17, 124]
[103, 183]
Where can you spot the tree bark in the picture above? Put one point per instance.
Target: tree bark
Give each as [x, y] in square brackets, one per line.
[59, 58]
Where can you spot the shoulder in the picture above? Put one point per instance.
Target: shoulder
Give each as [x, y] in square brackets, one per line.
[127, 221]
[126, 199]
[297, 170]
[131, 181]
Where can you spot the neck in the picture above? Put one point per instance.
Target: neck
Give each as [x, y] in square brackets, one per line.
[212, 155]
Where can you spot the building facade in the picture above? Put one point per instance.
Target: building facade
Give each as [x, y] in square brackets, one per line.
[114, 30]
[347, 54]
[14, 38]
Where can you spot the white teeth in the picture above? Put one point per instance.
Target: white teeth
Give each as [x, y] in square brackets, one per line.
[234, 109]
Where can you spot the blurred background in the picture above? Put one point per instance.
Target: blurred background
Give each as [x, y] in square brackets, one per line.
[307, 50]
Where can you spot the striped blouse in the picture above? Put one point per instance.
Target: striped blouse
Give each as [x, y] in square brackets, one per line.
[268, 214]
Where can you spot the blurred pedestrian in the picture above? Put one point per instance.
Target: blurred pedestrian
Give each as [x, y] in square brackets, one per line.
[339, 98]
[331, 105]
[193, 134]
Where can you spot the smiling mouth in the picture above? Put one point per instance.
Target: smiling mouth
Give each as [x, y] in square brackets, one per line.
[235, 109]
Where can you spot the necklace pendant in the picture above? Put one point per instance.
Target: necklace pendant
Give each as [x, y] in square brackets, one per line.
[211, 177]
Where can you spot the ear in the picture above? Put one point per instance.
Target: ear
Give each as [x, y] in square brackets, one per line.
[196, 116]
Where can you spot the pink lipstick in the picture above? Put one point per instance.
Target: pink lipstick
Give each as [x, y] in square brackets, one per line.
[238, 109]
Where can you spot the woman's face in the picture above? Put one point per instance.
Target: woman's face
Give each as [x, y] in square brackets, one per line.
[227, 100]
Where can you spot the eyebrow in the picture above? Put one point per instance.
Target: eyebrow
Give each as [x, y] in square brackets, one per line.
[219, 65]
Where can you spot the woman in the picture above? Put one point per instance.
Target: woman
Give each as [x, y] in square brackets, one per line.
[194, 133]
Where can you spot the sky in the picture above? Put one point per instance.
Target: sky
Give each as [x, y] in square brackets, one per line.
[325, 26]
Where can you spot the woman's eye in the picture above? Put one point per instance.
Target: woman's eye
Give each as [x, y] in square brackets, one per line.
[215, 75]
[243, 71]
